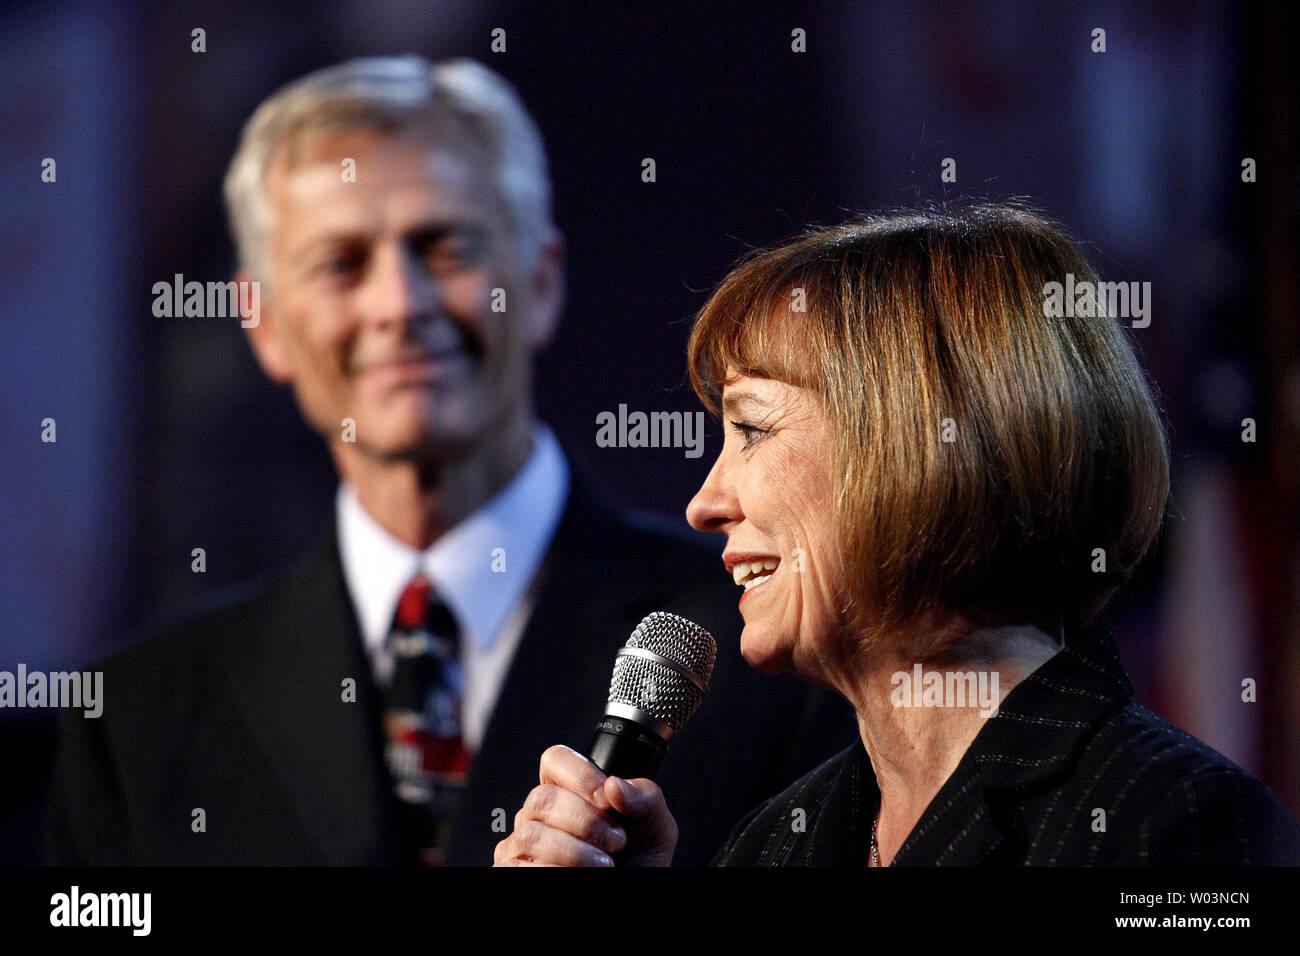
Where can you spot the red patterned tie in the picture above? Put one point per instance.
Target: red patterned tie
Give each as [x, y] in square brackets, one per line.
[422, 719]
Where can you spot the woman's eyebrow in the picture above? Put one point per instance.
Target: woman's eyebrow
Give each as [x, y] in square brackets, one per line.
[739, 398]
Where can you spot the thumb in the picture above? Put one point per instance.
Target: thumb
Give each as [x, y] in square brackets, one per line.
[634, 799]
[651, 829]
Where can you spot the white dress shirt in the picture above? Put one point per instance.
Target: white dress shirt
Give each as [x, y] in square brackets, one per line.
[482, 568]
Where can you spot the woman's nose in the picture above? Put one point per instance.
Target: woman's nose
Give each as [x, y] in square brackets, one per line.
[715, 505]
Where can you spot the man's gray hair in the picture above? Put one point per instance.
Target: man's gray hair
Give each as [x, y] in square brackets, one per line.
[393, 92]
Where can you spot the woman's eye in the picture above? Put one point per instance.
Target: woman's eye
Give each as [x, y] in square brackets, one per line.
[751, 433]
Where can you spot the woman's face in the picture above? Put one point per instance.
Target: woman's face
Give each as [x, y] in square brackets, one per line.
[770, 493]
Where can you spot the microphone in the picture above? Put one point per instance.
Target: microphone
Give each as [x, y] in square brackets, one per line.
[660, 678]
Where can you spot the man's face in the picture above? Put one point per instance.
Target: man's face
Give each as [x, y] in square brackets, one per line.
[381, 307]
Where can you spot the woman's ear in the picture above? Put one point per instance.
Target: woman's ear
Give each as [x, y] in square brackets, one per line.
[264, 338]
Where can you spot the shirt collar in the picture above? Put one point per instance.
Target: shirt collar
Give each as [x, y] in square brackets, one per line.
[482, 567]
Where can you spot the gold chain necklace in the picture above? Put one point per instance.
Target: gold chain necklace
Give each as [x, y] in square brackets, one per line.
[875, 854]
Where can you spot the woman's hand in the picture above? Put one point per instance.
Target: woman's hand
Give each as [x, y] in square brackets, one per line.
[577, 816]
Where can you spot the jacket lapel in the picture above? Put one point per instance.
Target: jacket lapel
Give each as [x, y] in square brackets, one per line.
[839, 833]
[588, 597]
[287, 677]
[958, 828]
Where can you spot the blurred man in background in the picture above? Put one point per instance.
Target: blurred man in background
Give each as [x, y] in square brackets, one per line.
[385, 701]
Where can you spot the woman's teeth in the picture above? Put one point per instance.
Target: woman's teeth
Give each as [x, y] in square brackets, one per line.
[753, 573]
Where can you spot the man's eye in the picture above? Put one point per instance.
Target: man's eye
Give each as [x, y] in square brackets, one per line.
[751, 433]
[341, 264]
[450, 256]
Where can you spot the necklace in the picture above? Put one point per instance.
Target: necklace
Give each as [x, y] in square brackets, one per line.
[875, 854]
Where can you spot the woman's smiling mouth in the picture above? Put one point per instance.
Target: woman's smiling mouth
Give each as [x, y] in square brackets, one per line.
[751, 571]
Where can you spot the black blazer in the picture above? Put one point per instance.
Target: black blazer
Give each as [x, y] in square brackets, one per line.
[1066, 742]
[239, 712]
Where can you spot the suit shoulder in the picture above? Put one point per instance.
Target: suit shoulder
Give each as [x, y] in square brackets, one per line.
[1180, 801]
[667, 535]
[659, 551]
[1139, 739]
[171, 661]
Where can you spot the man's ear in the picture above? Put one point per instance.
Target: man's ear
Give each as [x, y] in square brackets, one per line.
[548, 288]
[264, 338]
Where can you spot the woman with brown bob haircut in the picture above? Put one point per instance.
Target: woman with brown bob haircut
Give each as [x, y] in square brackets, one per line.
[931, 486]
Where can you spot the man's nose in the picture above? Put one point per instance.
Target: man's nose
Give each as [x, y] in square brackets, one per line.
[715, 506]
[398, 288]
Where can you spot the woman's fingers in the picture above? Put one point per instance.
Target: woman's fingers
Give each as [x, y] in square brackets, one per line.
[569, 818]
[566, 811]
[563, 822]
[535, 842]
[565, 767]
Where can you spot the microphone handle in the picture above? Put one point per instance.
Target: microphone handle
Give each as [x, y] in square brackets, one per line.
[625, 748]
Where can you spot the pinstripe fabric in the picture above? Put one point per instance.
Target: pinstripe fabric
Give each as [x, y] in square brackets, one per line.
[1067, 742]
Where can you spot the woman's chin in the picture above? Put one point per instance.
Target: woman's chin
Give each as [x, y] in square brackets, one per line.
[763, 656]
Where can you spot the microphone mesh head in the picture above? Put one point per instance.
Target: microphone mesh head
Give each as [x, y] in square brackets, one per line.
[662, 691]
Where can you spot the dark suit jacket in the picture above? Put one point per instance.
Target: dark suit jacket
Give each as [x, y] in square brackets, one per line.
[1066, 741]
[239, 712]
